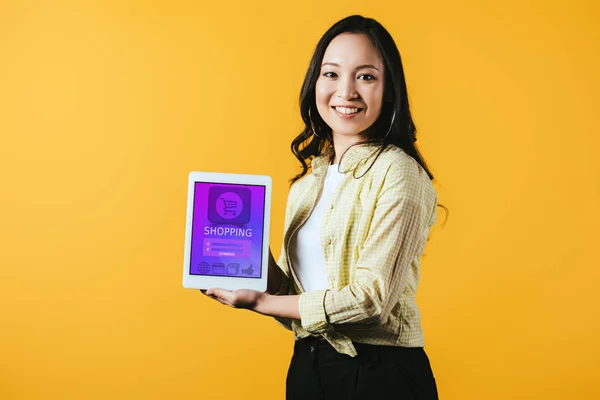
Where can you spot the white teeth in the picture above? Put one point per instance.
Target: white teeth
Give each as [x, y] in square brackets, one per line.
[346, 110]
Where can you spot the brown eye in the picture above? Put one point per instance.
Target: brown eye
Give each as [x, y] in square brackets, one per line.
[367, 77]
[329, 74]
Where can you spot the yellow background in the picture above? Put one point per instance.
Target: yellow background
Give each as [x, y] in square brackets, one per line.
[105, 107]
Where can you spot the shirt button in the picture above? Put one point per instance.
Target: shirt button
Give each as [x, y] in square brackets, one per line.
[331, 206]
[329, 241]
[312, 349]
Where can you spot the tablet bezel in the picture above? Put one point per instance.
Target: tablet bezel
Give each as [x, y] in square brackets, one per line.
[226, 282]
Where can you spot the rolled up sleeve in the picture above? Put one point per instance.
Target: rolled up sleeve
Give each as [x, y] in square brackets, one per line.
[312, 311]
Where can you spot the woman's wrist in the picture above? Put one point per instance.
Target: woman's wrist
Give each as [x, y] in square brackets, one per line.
[260, 307]
[278, 306]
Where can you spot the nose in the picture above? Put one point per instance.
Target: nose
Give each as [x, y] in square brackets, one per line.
[346, 89]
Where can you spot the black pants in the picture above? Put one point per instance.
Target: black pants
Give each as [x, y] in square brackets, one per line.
[318, 372]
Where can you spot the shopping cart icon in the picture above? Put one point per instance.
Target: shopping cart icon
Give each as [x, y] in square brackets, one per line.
[229, 204]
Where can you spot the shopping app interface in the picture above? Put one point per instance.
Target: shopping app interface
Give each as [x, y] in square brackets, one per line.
[227, 230]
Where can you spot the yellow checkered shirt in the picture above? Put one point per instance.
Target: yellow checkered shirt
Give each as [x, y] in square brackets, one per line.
[373, 234]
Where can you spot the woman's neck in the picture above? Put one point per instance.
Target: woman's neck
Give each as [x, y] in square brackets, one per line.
[341, 143]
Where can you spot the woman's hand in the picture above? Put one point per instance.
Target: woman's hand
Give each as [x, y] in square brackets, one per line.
[260, 302]
[240, 298]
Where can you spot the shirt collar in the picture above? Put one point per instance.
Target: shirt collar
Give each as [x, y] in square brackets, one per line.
[355, 155]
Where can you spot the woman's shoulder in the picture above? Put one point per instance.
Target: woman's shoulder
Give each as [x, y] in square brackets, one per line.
[401, 171]
[300, 186]
[397, 169]
[394, 160]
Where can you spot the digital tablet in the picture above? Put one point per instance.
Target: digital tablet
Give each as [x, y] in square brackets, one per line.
[227, 231]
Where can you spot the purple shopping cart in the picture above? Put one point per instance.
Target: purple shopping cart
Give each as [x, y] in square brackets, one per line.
[229, 206]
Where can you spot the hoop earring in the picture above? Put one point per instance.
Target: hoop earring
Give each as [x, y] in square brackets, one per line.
[391, 124]
[312, 125]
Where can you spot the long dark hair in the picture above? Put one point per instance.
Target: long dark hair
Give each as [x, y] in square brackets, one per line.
[402, 132]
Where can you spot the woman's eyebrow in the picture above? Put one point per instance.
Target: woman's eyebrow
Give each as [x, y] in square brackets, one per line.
[357, 68]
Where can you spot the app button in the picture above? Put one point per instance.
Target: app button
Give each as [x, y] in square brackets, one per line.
[248, 271]
[218, 268]
[233, 269]
[229, 205]
[204, 267]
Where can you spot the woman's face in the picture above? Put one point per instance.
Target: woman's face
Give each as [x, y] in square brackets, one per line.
[349, 91]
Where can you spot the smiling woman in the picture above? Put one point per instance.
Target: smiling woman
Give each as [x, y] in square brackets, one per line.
[349, 91]
[356, 226]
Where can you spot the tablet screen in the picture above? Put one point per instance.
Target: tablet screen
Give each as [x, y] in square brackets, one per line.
[227, 230]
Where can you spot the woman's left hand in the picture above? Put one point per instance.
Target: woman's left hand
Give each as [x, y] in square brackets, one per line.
[240, 298]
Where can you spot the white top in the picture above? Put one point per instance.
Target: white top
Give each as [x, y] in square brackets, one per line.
[306, 253]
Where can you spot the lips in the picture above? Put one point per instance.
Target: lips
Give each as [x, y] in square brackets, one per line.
[346, 112]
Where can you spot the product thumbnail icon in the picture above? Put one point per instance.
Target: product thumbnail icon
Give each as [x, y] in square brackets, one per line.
[233, 269]
[229, 205]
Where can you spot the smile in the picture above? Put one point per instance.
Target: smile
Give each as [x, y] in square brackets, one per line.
[347, 112]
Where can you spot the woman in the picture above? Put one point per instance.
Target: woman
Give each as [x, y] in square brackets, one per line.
[356, 227]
